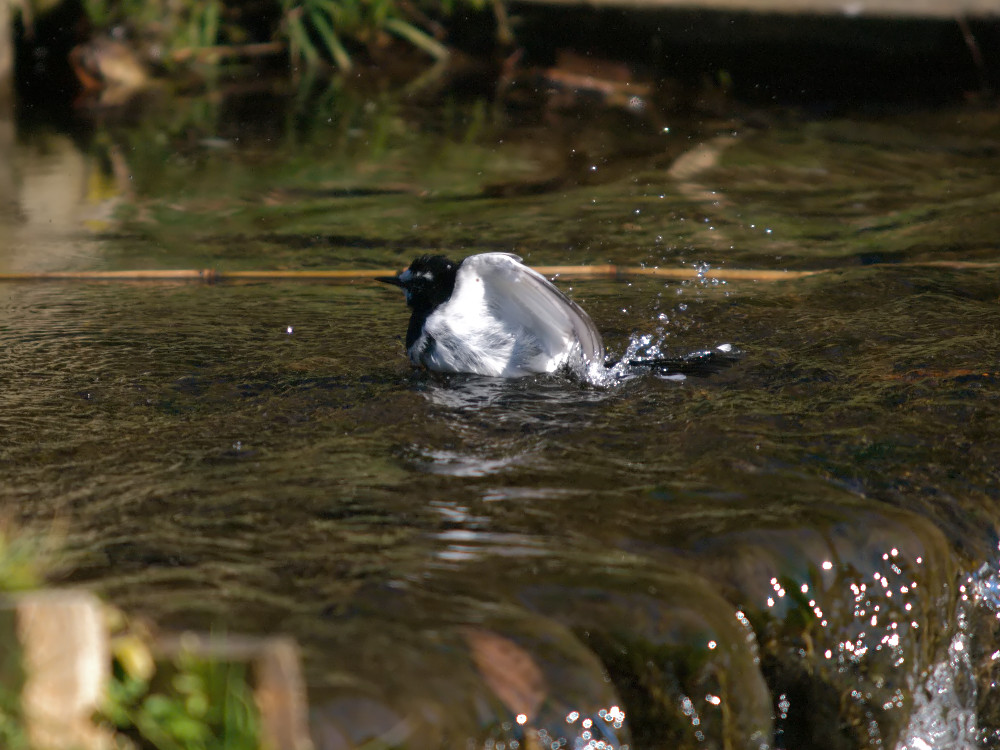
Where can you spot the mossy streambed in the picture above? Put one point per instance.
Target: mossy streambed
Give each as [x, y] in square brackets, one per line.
[797, 552]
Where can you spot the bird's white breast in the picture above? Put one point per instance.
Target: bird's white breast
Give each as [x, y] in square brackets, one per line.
[502, 320]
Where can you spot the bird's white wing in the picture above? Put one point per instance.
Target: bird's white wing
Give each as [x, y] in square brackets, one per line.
[525, 299]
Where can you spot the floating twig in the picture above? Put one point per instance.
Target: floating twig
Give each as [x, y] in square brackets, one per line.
[611, 271]
[213, 275]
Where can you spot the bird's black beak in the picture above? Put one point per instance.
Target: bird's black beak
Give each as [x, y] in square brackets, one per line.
[394, 280]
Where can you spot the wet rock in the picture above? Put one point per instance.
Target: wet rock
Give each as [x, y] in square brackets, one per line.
[508, 669]
[478, 675]
[846, 616]
[110, 69]
[685, 666]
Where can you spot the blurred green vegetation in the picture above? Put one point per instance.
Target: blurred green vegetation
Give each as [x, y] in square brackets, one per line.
[12, 731]
[189, 703]
[317, 27]
[23, 560]
[185, 703]
[314, 33]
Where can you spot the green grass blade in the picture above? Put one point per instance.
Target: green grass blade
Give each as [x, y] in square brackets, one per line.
[334, 9]
[210, 24]
[301, 45]
[337, 51]
[417, 38]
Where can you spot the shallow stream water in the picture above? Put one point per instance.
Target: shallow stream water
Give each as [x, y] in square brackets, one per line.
[797, 551]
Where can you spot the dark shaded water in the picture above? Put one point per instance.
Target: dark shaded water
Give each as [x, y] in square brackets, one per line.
[786, 554]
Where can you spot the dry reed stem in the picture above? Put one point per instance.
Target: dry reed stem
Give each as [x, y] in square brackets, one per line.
[594, 271]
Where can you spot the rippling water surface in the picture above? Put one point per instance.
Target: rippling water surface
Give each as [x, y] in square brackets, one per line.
[797, 551]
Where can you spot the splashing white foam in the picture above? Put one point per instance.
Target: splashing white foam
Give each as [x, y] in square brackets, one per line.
[944, 711]
[944, 705]
[642, 357]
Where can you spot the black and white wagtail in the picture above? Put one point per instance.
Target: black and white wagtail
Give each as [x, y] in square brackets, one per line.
[492, 315]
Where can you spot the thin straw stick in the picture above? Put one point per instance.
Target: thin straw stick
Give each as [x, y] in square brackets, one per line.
[159, 275]
[211, 275]
[594, 271]
[182, 274]
[682, 272]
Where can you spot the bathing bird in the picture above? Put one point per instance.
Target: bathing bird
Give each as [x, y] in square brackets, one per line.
[490, 314]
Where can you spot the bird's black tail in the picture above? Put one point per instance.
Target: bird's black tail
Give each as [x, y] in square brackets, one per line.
[699, 364]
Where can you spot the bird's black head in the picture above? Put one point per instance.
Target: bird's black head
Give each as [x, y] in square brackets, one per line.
[428, 281]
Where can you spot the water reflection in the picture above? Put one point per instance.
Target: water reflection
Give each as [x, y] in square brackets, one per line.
[513, 400]
[470, 411]
[460, 465]
[53, 200]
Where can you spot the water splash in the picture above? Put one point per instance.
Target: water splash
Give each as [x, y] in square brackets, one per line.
[944, 705]
[645, 355]
[944, 713]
